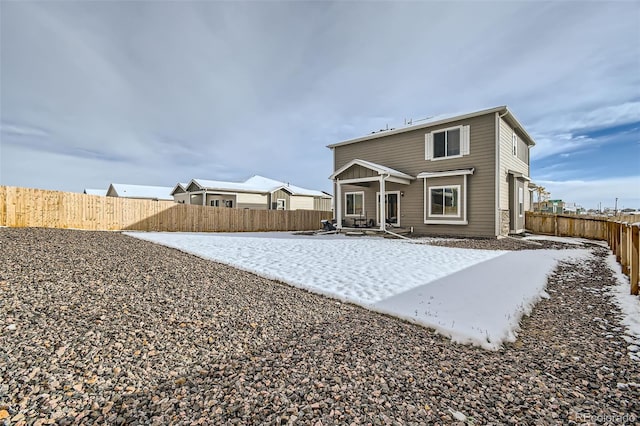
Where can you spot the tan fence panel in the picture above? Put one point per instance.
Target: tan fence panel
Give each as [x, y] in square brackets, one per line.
[27, 207]
[622, 236]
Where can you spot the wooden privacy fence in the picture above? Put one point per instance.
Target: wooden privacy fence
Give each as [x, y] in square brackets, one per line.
[622, 236]
[27, 207]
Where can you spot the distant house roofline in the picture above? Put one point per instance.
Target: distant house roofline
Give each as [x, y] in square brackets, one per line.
[254, 185]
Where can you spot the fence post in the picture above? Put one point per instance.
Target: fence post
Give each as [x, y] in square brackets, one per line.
[635, 259]
[618, 242]
[555, 225]
[623, 248]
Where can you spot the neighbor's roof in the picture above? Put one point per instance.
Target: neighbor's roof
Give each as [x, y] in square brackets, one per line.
[443, 119]
[256, 184]
[142, 191]
[89, 191]
[180, 185]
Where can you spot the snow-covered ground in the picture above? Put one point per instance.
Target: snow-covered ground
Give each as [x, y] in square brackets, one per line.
[475, 296]
[630, 307]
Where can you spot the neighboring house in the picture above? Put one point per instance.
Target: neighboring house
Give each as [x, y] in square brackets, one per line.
[101, 192]
[558, 207]
[257, 192]
[143, 192]
[458, 175]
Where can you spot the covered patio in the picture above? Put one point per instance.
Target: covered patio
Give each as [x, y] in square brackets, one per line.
[368, 176]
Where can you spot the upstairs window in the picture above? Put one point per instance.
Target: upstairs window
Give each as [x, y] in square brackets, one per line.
[514, 144]
[447, 143]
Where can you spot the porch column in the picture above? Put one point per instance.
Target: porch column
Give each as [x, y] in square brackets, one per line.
[338, 204]
[204, 198]
[383, 215]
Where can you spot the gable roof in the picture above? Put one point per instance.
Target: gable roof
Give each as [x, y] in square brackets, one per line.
[382, 170]
[443, 119]
[140, 191]
[255, 184]
[180, 187]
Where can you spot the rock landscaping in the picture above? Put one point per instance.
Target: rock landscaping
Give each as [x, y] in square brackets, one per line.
[99, 327]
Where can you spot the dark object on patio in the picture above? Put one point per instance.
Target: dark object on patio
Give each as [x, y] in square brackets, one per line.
[327, 225]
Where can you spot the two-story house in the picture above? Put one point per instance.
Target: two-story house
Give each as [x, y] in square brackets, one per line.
[463, 175]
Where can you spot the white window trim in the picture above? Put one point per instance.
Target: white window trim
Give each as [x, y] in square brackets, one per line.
[465, 142]
[345, 204]
[514, 144]
[284, 203]
[444, 216]
[446, 157]
[437, 220]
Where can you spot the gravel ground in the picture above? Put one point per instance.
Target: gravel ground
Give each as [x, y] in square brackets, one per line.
[508, 243]
[98, 327]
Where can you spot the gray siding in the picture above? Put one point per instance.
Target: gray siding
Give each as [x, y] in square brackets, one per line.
[510, 162]
[357, 171]
[280, 194]
[406, 152]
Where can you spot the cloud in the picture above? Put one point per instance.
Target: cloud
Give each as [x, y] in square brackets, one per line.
[153, 92]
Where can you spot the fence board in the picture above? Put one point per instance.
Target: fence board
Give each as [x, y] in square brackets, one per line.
[27, 207]
[622, 236]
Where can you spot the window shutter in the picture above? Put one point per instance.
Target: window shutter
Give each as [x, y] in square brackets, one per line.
[465, 140]
[428, 146]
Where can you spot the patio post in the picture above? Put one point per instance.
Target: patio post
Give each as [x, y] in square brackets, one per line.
[381, 201]
[338, 204]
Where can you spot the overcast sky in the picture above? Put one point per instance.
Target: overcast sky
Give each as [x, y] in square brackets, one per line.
[154, 93]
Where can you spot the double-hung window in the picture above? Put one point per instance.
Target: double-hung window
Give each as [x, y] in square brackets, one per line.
[514, 144]
[447, 143]
[354, 202]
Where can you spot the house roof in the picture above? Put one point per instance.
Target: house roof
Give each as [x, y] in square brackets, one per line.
[181, 186]
[90, 191]
[380, 169]
[443, 119]
[141, 191]
[255, 184]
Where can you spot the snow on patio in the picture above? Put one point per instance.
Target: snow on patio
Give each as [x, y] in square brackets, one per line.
[472, 296]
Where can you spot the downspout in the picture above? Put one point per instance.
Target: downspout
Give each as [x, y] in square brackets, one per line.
[381, 202]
